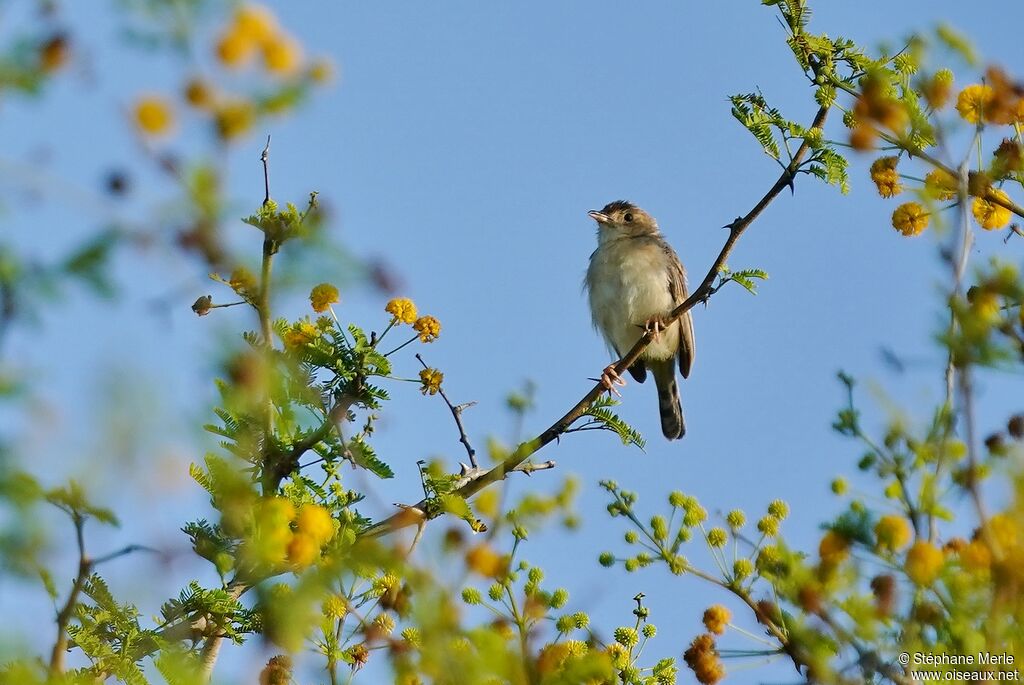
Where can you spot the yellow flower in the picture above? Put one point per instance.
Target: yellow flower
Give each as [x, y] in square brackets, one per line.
[618, 655]
[976, 556]
[923, 563]
[281, 55]
[431, 379]
[234, 118]
[1005, 531]
[768, 525]
[428, 327]
[384, 623]
[702, 658]
[301, 333]
[485, 561]
[939, 185]
[335, 607]
[551, 658]
[984, 304]
[910, 219]
[255, 22]
[938, 88]
[892, 532]
[323, 296]
[199, 94]
[303, 550]
[316, 522]
[833, 548]
[153, 115]
[242, 281]
[235, 48]
[402, 309]
[883, 173]
[990, 215]
[715, 618]
[275, 512]
[973, 102]
[278, 671]
[717, 537]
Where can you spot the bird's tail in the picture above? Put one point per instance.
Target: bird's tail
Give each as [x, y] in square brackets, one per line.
[672, 423]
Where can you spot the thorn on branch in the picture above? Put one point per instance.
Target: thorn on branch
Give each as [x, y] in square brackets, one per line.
[265, 158]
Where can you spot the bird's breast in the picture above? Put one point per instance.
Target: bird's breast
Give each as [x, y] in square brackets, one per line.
[628, 284]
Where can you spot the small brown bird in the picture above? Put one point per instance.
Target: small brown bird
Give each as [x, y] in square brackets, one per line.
[635, 279]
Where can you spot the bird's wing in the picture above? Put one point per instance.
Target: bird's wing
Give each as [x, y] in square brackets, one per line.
[677, 288]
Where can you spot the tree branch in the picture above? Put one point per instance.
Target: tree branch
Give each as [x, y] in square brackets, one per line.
[60, 647]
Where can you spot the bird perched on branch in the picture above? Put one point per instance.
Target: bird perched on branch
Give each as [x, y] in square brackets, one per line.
[634, 280]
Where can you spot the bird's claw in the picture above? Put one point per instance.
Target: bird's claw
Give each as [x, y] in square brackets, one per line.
[654, 326]
[610, 378]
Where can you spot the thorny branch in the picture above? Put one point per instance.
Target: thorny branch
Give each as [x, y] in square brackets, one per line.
[456, 410]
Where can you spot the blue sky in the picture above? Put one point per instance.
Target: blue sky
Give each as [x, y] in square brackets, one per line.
[464, 143]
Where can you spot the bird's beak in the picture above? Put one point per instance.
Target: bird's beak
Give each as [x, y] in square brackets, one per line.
[599, 217]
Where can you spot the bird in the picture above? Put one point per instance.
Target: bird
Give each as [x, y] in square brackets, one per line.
[633, 281]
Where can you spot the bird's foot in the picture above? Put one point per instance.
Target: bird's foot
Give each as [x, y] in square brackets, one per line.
[654, 326]
[610, 378]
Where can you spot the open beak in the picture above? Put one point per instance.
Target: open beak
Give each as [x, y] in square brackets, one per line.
[599, 217]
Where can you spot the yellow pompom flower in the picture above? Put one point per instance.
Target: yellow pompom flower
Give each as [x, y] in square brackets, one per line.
[428, 327]
[833, 548]
[938, 88]
[234, 118]
[976, 556]
[321, 297]
[316, 522]
[939, 185]
[923, 563]
[302, 333]
[484, 560]
[235, 48]
[199, 94]
[717, 537]
[402, 309]
[275, 512]
[990, 215]
[431, 379]
[1005, 531]
[281, 55]
[255, 22]
[892, 532]
[910, 219]
[153, 115]
[303, 550]
[973, 102]
[715, 619]
[885, 176]
[334, 606]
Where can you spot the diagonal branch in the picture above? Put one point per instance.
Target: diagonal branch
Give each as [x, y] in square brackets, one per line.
[528, 448]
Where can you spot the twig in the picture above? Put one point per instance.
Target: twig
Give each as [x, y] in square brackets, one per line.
[456, 410]
[60, 647]
[526, 449]
[265, 158]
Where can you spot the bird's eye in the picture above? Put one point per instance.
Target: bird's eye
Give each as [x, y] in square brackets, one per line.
[628, 217]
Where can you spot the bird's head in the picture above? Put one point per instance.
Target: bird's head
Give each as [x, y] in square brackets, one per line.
[622, 219]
